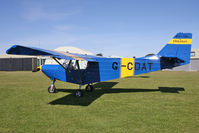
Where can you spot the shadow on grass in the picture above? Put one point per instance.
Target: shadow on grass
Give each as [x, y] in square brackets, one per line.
[171, 89]
[105, 88]
[140, 77]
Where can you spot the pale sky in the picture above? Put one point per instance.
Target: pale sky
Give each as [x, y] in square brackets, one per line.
[112, 27]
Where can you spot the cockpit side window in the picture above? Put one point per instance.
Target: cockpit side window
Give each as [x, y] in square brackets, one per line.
[71, 64]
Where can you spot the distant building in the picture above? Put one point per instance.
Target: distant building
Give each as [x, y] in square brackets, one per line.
[19, 62]
[194, 62]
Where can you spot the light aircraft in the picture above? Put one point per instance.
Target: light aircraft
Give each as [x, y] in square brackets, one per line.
[86, 69]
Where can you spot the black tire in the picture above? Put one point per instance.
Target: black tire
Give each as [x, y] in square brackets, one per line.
[52, 89]
[78, 93]
[89, 88]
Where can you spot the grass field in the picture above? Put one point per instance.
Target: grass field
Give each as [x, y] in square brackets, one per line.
[159, 102]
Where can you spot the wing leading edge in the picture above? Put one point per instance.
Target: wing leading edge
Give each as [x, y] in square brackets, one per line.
[23, 50]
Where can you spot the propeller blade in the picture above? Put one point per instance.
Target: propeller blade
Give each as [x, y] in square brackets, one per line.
[36, 69]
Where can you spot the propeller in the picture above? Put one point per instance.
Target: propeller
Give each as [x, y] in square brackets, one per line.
[37, 69]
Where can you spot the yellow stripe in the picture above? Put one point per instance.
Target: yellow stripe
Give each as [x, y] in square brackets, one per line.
[127, 67]
[180, 41]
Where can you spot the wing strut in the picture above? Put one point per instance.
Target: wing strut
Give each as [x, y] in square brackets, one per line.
[69, 64]
[80, 76]
[67, 70]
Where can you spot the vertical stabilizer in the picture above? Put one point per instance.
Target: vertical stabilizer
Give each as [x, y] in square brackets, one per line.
[178, 47]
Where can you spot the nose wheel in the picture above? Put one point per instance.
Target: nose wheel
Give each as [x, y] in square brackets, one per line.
[52, 88]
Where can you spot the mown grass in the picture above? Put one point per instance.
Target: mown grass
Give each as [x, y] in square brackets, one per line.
[157, 102]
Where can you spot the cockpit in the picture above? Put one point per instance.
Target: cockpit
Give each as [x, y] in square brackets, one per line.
[72, 64]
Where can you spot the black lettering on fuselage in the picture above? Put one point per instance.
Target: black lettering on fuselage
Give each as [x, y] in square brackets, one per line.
[115, 65]
[130, 66]
[137, 66]
[143, 66]
[150, 66]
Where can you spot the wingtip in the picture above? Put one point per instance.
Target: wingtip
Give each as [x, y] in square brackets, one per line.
[7, 51]
[12, 47]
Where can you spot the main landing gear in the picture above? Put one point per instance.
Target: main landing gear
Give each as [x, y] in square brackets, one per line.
[52, 88]
[79, 93]
[89, 88]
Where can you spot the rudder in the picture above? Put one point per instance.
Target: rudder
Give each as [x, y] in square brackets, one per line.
[177, 51]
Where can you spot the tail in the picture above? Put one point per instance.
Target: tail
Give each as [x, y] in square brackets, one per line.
[177, 51]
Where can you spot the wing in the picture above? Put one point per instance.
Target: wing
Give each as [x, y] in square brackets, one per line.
[23, 50]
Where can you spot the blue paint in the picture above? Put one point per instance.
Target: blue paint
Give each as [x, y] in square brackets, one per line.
[106, 70]
[179, 51]
[91, 74]
[54, 72]
[144, 65]
[181, 35]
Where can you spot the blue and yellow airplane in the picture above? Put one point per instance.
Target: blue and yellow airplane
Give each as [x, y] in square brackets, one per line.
[99, 69]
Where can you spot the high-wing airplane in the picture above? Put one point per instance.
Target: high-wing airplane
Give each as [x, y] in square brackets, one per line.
[86, 69]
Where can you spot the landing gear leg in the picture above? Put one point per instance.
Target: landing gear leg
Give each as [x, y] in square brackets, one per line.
[78, 93]
[89, 88]
[52, 89]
